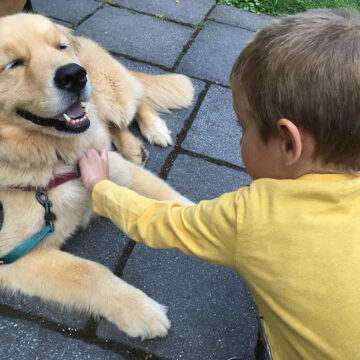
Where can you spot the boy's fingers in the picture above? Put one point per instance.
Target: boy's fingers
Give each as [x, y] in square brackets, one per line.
[93, 152]
[104, 155]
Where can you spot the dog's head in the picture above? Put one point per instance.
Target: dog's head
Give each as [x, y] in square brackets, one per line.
[42, 84]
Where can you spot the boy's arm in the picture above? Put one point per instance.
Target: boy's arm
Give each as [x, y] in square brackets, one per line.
[207, 230]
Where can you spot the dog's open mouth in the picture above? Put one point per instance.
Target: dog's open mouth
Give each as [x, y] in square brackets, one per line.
[74, 119]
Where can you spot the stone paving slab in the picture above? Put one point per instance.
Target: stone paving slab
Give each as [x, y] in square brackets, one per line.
[212, 313]
[24, 340]
[101, 242]
[239, 17]
[68, 10]
[216, 131]
[201, 179]
[19, 339]
[210, 308]
[186, 11]
[141, 36]
[214, 52]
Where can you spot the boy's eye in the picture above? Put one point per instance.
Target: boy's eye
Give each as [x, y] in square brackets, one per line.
[14, 64]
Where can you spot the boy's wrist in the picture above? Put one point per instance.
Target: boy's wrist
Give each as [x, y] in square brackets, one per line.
[97, 181]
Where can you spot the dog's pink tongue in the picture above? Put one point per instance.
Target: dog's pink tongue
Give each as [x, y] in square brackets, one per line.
[74, 111]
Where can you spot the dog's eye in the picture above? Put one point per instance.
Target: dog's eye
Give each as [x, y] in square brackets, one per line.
[63, 46]
[14, 64]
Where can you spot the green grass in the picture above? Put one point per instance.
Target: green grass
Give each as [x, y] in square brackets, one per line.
[284, 7]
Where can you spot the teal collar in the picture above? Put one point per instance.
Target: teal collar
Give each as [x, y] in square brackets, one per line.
[26, 246]
[22, 249]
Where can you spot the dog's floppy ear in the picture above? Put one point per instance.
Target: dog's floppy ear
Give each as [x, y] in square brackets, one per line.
[72, 39]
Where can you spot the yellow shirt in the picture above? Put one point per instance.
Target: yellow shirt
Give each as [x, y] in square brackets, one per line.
[296, 244]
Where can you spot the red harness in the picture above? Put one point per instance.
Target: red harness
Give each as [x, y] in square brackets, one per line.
[55, 182]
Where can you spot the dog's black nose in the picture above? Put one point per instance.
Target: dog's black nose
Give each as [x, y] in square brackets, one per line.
[70, 77]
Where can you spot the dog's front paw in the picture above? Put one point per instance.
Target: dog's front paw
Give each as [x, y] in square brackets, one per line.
[138, 156]
[140, 316]
[158, 133]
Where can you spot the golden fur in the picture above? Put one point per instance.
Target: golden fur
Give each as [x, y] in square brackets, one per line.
[32, 48]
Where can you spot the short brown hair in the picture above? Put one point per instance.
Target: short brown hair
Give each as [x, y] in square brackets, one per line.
[306, 68]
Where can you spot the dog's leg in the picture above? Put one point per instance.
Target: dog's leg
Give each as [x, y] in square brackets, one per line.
[86, 286]
[125, 173]
[152, 127]
[128, 145]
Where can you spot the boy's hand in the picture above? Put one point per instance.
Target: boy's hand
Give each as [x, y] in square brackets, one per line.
[94, 167]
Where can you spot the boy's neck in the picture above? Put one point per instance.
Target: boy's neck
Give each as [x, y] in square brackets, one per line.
[320, 169]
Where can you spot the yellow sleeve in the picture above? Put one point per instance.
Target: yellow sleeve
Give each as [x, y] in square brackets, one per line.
[207, 230]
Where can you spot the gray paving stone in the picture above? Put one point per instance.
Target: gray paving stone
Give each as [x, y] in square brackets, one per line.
[199, 179]
[101, 242]
[210, 308]
[186, 11]
[215, 131]
[141, 36]
[55, 346]
[19, 339]
[239, 17]
[214, 52]
[68, 10]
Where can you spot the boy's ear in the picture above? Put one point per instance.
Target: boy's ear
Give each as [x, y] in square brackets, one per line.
[290, 141]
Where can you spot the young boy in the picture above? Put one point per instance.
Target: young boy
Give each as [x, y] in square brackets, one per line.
[293, 235]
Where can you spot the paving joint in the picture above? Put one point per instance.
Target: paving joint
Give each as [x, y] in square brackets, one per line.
[181, 136]
[211, 159]
[237, 27]
[124, 258]
[192, 39]
[88, 16]
[131, 58]
[167, 69]
[87, 334]
[156, 15]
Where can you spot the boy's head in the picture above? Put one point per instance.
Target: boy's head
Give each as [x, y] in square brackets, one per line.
[306, 68]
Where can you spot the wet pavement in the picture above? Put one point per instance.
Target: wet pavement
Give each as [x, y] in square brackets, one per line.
[212, 313]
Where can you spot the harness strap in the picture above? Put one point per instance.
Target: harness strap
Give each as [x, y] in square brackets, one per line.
[26, 246]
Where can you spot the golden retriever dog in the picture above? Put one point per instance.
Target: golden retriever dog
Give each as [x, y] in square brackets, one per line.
[59, 95]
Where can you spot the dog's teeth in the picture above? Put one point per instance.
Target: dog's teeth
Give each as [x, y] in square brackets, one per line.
[84, 106]
[66, 117]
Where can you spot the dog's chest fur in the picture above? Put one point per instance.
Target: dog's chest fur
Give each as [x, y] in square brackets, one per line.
[23, 216]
